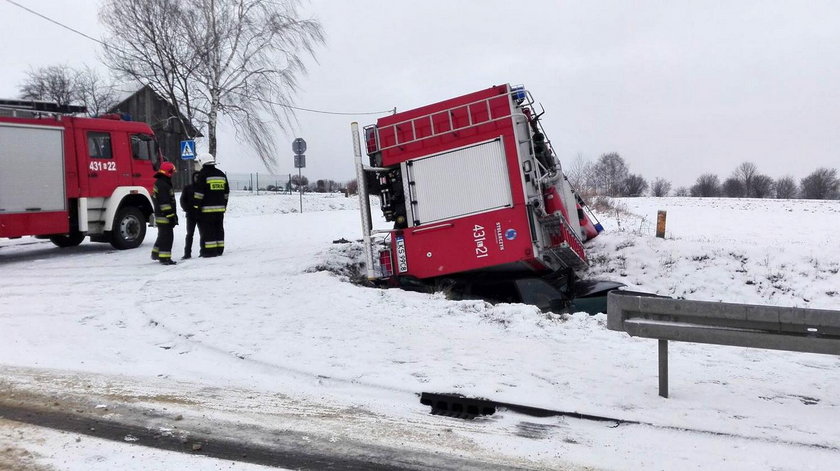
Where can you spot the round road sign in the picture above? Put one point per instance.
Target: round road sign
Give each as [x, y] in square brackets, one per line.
[299, 146]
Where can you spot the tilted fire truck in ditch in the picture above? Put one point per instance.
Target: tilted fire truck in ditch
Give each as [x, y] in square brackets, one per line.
[478, 201]
[64, 178]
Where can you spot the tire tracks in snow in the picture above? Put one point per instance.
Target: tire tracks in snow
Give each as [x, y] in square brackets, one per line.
[297, 373]
[240, 425]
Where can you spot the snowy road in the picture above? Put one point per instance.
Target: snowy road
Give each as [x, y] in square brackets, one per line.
[274, 322]
[234, 425]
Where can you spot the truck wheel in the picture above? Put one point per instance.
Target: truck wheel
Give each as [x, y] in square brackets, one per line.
[129, 228]
[68, 240]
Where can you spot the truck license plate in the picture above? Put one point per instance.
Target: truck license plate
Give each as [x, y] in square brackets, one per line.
[402, 263]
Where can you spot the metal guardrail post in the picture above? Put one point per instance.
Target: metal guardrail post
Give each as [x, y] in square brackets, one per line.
[663, 367]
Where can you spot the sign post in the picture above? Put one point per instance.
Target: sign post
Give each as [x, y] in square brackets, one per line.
[299, 147]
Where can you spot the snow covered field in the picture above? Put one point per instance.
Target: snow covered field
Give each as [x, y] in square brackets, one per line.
[276, 320]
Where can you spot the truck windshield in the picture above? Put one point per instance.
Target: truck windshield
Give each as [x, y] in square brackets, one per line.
[144, 147]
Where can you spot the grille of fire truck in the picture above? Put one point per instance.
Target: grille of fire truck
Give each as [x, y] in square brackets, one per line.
[564, 246]
[477, 113]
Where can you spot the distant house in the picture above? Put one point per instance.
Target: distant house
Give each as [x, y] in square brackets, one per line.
[163, 117]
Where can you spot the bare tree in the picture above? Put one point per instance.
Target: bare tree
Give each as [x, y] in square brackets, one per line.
[733, 187]
[707, 184]
[746, 173]
[151, 47]
[682, 191]
[240, 59]
[94, 92]
[609, 173]
[55, 83]
[786, 188]
[579, 174]
[660, 187]
[822, 184]
[762, 186]
[634, 185]
[65, 85]
[299, 181]
[352, 186]
[326, 186]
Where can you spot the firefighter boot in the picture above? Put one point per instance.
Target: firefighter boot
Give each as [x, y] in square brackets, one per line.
[168, 261]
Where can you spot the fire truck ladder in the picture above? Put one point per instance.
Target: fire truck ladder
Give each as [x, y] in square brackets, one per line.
[477, 112]
[28, 108]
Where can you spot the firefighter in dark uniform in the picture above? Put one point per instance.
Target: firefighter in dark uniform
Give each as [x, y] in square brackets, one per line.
[211, 198]
[188, 205]
[166, 217]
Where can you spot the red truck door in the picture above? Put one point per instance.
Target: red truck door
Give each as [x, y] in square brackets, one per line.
[97, 153]
[144, 159]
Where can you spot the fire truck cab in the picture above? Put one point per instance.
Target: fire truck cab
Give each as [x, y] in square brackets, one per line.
[65, 177]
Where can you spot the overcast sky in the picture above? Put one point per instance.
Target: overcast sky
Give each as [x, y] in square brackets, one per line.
[678, 88]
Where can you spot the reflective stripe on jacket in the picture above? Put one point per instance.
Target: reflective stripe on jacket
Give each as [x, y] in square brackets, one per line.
[211, 190]
[163, 196]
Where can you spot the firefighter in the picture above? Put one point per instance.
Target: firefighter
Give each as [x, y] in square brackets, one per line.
[188, 205]
[166, 216]
[211, 198]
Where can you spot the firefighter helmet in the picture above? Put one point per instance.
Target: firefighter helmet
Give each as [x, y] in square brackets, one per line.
[167, 168]
[207, 159]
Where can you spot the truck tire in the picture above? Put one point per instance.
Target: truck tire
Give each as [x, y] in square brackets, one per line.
[68, 240]
[129, 228]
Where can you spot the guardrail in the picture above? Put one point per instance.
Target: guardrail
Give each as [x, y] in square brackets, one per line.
[742, 325]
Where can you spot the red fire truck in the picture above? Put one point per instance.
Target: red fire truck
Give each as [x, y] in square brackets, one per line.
[477, 199]
[65, 177]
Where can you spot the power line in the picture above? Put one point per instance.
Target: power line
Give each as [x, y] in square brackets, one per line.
[55, 22]
[393, 110]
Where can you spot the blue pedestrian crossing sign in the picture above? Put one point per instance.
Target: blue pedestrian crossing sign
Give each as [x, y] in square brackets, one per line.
[187, 150]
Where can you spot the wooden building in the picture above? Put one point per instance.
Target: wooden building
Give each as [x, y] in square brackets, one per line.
[165, 120]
